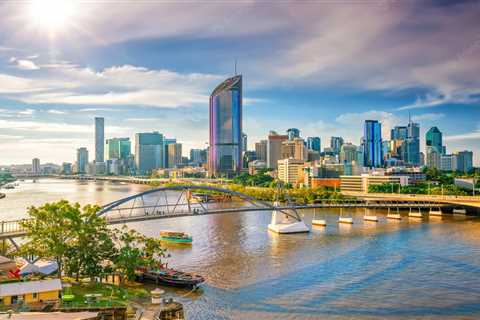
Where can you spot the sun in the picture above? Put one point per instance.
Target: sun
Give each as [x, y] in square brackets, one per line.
[53, 15]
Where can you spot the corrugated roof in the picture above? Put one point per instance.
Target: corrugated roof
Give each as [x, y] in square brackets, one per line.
[19, 288]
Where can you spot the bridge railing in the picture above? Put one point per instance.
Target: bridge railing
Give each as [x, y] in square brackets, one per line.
[11, 226]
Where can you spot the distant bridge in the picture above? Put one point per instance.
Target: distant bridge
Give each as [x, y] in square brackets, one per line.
[187, 200]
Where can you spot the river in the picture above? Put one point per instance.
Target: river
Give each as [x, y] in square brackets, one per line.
[405, 269]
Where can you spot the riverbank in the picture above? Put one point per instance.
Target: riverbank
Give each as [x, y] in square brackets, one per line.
[2, 195]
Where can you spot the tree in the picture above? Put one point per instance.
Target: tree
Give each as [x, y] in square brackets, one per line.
[92, 245]
[50, 231]
[135, 251]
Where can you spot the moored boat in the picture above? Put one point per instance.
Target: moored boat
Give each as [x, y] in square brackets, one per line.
[175, 237]
[170, 277]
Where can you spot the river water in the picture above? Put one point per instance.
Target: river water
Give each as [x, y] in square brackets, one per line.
[405, 269]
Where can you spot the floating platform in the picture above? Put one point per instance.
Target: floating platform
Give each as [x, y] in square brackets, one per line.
[345, 220]
[394, 216]
[435, 213]
[459, 211]
[370, 218]
[295, 227]
[415, 215]
[319, 222]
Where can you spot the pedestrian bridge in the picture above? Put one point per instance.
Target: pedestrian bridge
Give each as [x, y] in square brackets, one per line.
[195, 200]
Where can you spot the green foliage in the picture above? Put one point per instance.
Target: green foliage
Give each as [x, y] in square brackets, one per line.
[135, 251]
[420, 188]
[260, 179]
[83, 245]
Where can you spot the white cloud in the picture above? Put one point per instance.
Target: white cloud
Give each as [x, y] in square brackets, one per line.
[428, 117]
[26, 112]
[54, 111]
[474, 135]
[23, 64]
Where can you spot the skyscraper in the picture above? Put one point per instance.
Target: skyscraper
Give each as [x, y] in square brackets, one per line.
[35, 166]
[244, 142]
[99, 139]
[118, 148]
[372, 144]
[433, 157]
[174, 155]
[348, 153]
[225, 153]
[336, 144]
[149, 150]
[412, 144]
[293, 133]
[274, 148]
[433, 138]
[82, 160]
[314, 143]
[464, 161]
[261, 150]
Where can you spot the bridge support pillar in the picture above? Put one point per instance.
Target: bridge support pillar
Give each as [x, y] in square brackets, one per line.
[283, 223]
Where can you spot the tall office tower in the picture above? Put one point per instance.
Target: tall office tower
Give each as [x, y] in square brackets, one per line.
[433, 157]
[99, 139]
[174, 155]
[225, 152]
[82, 160]
[244, 142]
[148, 152]
[198, 156]
[66, 168]
[398, 136]
[433, 138]
[464, 161]
[448, 162]
[166, 142]
[314, 143]
[348, 153]
[274, 149]
[336, 144]
[293, 133]
[372, 139]
[35, 166]
[118, 148]
[412, 144]
[294, 149]
[261, 150]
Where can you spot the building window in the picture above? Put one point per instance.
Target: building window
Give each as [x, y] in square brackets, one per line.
[35, 295]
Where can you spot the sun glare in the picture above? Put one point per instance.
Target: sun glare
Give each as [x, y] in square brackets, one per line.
[52, 14]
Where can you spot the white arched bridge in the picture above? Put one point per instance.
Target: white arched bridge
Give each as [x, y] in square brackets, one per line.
[194, 200]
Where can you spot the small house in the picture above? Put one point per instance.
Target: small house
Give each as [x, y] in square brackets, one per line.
[30, 291]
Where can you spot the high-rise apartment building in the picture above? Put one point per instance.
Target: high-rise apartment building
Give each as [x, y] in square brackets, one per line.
[290, 170]
[336, 144]
[294, 149]
[261, 150]
[432, 159]
[82, 160]
[149, 148]
[314, 143]
[174, 155]
[36, 166]
[372, 144]
[433, 138]
[99, 139]
[293, 133]
[274, 149]
[225, 151]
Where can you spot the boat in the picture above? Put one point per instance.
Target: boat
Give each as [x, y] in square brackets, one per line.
[175, 237]
[170, 277]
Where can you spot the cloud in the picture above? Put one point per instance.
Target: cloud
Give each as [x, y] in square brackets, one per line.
[23, 64]
[428, 117]
[54, 111]
[474, 135]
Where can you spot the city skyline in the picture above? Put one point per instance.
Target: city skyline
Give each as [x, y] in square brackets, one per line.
[52, 84]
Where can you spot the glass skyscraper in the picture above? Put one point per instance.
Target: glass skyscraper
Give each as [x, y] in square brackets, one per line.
[372, 144]
[99, 139]
[433, 138]
[293, 133]
[149, 148]
[225, 152]
[82, 160]
[118, 148]
[336, 144]
[314, 143]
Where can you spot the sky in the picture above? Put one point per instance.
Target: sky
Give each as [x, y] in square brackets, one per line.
[321, 66]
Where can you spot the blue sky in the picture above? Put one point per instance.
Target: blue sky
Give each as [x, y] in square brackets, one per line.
[318, 66]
